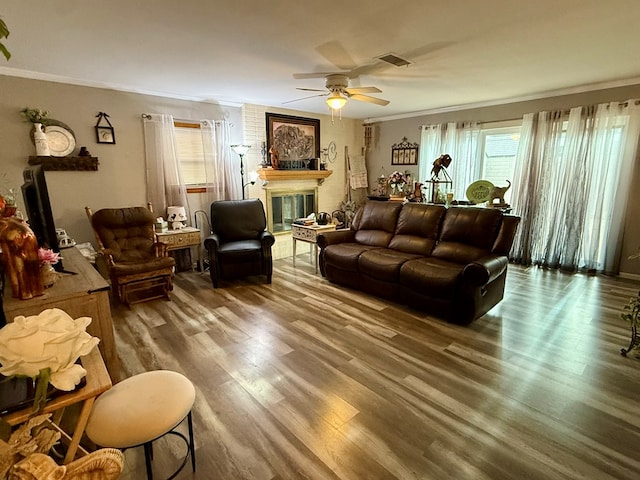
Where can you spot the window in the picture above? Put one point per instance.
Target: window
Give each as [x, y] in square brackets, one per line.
[190, 154]
[499, 148]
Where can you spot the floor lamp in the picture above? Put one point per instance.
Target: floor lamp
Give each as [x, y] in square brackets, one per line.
[241, 150]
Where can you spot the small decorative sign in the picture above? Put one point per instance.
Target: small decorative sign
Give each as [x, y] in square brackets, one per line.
[104, 133]
[404, 153]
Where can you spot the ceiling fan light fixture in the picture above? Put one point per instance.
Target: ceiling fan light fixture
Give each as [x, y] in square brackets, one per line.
[336, 101]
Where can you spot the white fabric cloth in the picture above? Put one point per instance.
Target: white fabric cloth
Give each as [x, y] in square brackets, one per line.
[358, 172]
[460, 142]
[222, 167]
[571, 186]
[164, 179]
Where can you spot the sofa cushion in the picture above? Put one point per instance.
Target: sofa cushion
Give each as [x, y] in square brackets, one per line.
[467, 234]
[375, 224]
[417, 228]
[344, 255]
[431, 276]
[383, 263]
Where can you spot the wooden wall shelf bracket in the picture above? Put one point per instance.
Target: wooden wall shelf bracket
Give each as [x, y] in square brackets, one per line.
[66, 163]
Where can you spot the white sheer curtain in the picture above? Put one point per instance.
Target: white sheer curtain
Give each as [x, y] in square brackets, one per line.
[431, 147]
[463, 147]
[460, 141]
[164, 179]
[221, 170]
[571, 186]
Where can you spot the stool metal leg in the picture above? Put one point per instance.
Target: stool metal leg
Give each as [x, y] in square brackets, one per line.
[148, 454]
[191, 444]
[191, 450]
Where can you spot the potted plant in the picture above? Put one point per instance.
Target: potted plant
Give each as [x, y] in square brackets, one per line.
[630, 313]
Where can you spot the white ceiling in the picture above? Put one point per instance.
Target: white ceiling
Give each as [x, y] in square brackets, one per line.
[464, 52]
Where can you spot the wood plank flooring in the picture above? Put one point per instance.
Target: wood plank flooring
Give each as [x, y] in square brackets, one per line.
[302, 379]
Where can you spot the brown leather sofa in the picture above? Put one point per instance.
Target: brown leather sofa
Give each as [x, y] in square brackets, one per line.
[451, 262]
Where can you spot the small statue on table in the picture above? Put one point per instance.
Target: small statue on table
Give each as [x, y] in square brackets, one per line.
[19, 247]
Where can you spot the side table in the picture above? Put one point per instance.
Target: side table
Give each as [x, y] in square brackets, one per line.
[309, 234]
[180, 240]
[98, 381]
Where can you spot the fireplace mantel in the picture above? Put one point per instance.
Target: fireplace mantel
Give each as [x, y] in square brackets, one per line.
[272, 175]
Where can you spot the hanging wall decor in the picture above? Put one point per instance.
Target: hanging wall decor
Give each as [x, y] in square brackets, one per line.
[404, 153]
[104, 133]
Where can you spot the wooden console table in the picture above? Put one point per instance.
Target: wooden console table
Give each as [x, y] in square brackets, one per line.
[309, 235]
[81, 294]
[98, 381]
[182, 239]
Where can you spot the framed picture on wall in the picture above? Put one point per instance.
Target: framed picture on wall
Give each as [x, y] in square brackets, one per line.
[295, 138]
[404, 153]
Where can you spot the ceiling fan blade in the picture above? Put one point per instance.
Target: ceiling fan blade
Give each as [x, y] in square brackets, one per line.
[312, 89]
[357, 90]
[367, 98]
[335, 53]
[304, 76]
[304, 98]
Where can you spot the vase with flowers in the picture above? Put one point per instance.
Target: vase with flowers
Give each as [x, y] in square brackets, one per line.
[397, 182]
[48, 258]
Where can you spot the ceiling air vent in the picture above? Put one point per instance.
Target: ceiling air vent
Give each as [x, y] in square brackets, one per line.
[393, 59]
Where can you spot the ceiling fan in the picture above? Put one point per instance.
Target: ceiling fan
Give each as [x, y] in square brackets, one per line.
[338, 90]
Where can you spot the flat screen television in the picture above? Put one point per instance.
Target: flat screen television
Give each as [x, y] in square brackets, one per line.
[38, 206]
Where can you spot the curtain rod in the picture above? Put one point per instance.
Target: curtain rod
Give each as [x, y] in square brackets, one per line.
[148, 116]
[564, 112]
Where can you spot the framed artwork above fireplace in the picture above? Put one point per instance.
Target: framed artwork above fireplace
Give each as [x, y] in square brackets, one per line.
[295, 138]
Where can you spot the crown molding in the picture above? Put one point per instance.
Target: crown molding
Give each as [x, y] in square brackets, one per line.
[14, 72]
[491, 103]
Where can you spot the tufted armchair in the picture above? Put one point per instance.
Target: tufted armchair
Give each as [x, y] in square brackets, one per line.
[139, 266]
[239, 244]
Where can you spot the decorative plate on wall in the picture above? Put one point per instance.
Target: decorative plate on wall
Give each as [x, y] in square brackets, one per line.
[61, 141]
[480, 191]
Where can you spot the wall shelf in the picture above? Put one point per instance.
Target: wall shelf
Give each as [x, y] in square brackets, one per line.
[272, 175]
[66, 163]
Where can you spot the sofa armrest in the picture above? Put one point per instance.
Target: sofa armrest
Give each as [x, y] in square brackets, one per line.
[485, 269]
[212, 242]
[338, 236]
[267, 239]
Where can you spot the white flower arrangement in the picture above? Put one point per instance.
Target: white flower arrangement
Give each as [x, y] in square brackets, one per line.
[397, 182]
[45, 347]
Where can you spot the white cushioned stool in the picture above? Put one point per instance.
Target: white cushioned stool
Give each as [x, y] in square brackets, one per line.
[142, 409]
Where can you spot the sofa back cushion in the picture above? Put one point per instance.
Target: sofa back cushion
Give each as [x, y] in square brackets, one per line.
[234, 220]
[507, 233]
[375, 223]
[417, 228]
[467, 234]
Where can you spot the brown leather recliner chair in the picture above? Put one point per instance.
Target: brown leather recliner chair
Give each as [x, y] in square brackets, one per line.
[139, 266]
[239, 244]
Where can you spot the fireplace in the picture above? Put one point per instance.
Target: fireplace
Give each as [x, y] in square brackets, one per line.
[284, 206]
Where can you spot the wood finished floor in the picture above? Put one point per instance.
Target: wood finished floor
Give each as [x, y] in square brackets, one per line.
[302, 379]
